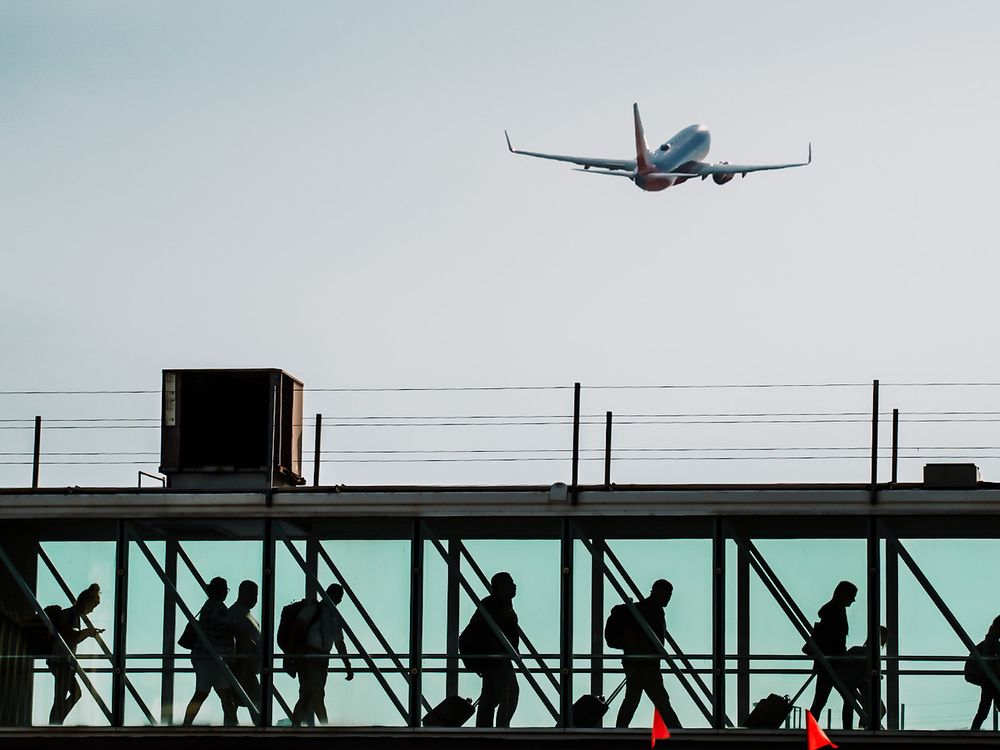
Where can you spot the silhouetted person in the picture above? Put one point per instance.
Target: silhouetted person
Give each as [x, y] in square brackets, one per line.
[830, 635]
[208, 672]
[500, 690]
[642, 659]
[989, 648]
[246, 631]
[855, 675]
[324, 629]
[67, 624]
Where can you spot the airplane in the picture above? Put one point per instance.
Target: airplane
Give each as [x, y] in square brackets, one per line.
[676, 161]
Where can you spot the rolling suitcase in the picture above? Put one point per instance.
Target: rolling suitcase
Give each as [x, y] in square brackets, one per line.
[453, 711]
[590, 709]
[771, 712]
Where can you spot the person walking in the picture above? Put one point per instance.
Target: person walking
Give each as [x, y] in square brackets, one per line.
[66, 621]
[246, 632]
[209, 672]
[642, 658]
[989, 649]
[324, 630]
[830, 635]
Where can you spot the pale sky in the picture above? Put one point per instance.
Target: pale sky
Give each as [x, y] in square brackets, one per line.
[325, 188]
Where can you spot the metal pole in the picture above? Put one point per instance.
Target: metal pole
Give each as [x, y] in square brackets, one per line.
[874, 479]
[607, 451]
[121, 620]
[718, 625]
[169, 634]
[895, 443]
[36, 460]
[452, 619]
[873, 709]
[319, 440]
[597, 618]
[566, 626]
[893, 715]
[742, 635]
[576, 444]
[267, 691]
[416, 620]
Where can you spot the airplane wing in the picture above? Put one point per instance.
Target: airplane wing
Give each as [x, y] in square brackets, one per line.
[584, 161]
[704, 169]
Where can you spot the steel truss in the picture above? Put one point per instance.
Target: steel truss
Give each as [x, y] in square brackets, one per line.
[448, 537]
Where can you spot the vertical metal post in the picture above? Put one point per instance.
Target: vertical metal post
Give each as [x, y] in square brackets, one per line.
[874, 479]
[895, 443]
[37, 455]
[267, 624]
[121, 619]
[742, 635]
[319, 443]
[452, 623]
[169, 634]
[902, 716]
[576, 444]
[893, 715]
[607, 451]
[272, 442]
[416, 619]
[873, 709]
[718, 625]
[566, 625]
[597, 617]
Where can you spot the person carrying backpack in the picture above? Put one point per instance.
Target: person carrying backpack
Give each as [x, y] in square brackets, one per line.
[500, 690]
[66, 621]
[208, 673]
[322, 629]
[988, 648]
[642, 658]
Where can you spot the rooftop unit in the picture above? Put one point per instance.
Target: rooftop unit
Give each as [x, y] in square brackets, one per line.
[231, 429]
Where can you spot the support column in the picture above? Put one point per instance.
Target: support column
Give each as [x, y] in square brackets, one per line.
[267, 624]
[452, 623]
[742, 635]
[121, 618]
[416, 620]
[873, 709]
[892, 644]
[169, 636]
[718, 625]
[597, 617]
[566, 625]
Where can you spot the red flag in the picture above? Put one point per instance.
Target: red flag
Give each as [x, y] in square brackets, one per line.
[815, 736]
[660, 731]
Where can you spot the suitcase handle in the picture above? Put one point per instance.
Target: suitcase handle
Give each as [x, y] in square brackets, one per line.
[617, 690]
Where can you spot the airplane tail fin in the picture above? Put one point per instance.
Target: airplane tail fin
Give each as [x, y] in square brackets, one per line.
[641, 152]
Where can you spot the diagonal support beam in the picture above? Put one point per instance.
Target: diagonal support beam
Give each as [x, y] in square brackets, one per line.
[383, 642]
[511, 651]
[199, 631]
[904, 555]
[637, 592]
[648, 631]
[355, 641]
[56, 637]
[524, 637]
[86, 621]
[795, 615]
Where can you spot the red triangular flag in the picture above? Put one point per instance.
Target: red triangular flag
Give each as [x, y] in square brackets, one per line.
[815, 736]
[660, 731]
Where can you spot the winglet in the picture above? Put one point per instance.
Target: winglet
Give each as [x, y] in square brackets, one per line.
[810, 153]
[509, 147]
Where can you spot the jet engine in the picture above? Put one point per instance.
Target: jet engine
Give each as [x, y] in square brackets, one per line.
[722, 179]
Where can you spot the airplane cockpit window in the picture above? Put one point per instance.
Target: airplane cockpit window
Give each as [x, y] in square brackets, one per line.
[665, 147]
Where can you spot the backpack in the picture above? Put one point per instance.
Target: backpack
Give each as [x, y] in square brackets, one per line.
[972, 670]
[822, 637]
[618, 623]
[39, 640]
[291, 635]
[475, 639]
